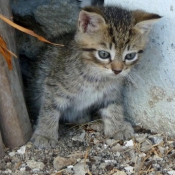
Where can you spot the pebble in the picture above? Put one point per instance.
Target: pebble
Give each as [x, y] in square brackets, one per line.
[117, 148]
[120, 173]
[142, 155]
[22, 169]
[94, 167]
[22, 150]
[129, 143]
[129, 169]
[110, 161]
[61, 162]
[110, 142]
[156, 140]
[146, 146]
[171, 172]
[80, 169]
[11, 154]
[141, 138]
[15, 160]
[35, 165]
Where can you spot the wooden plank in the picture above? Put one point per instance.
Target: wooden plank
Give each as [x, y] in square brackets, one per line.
[1, 147]
[14, 121]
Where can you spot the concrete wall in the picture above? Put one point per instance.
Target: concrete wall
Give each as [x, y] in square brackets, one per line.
[151, 100]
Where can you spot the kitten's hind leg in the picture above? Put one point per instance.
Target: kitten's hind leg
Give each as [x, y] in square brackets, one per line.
[46, 134]
[114, 124]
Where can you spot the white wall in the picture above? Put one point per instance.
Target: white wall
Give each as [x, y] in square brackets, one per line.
[151, 102]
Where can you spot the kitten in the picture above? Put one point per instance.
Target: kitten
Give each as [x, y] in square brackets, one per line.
[86, 75]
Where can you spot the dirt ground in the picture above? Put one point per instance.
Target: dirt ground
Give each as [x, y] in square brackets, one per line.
[83, 150]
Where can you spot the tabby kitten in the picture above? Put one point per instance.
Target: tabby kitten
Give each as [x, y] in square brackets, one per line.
[86, 75]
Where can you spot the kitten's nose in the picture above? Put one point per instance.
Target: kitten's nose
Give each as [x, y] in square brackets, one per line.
[117, 71]
[117, 67]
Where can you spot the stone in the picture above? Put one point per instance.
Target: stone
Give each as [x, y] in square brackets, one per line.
[110, 142]
[22, 150]
[62, 162]
[129, 169]
[171, 172]
[35, 165]
[11, 154]
[80, 169]
[129, 143]
[120, 173]
[117, 148]
[146, 146]
[156, 139]
[140, 138]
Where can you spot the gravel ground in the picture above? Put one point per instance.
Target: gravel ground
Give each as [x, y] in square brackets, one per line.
[83, 150]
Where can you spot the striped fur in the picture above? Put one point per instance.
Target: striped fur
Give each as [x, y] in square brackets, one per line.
[73, 82]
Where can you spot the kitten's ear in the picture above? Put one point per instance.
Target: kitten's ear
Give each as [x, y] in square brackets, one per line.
[144, 21]
[90, 21]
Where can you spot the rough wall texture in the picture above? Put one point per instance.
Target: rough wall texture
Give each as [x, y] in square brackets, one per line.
[151, 101]
[14, 122]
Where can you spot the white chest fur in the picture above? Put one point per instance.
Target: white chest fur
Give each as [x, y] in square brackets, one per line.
[87, 98]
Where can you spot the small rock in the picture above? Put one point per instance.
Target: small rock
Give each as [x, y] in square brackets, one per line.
[80, 169]
[29, 145]
[22, 169]
[171, 172]
[129, 143]
[15, 160]
[98, 126]
[156, 157]
[96, 141]
[79, 138]
[11, 154]
[110, 142]
[117, 154]
[8, 171]
[109, 167]
[156, 139]
[69, 170]
[61, 162]
[161, 149]
[110, 161]
[70, 166]
[103, 165]
[93, 168]
[146, 146]
[141, 138]
[22, 150]
[82, 136]
[129, 169]
[118, 148]
[120, 173]
[142, 155]
[35, 165]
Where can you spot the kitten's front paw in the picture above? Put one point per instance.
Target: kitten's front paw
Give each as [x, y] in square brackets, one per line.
[43, 142]
[120, 131]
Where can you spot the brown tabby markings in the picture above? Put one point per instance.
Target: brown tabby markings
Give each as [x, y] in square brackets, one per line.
[86, 75]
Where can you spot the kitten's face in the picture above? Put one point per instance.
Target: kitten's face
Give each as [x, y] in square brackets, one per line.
[112, 39]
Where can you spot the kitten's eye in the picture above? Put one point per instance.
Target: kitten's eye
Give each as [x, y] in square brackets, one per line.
[130, 56]
[103, 54]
